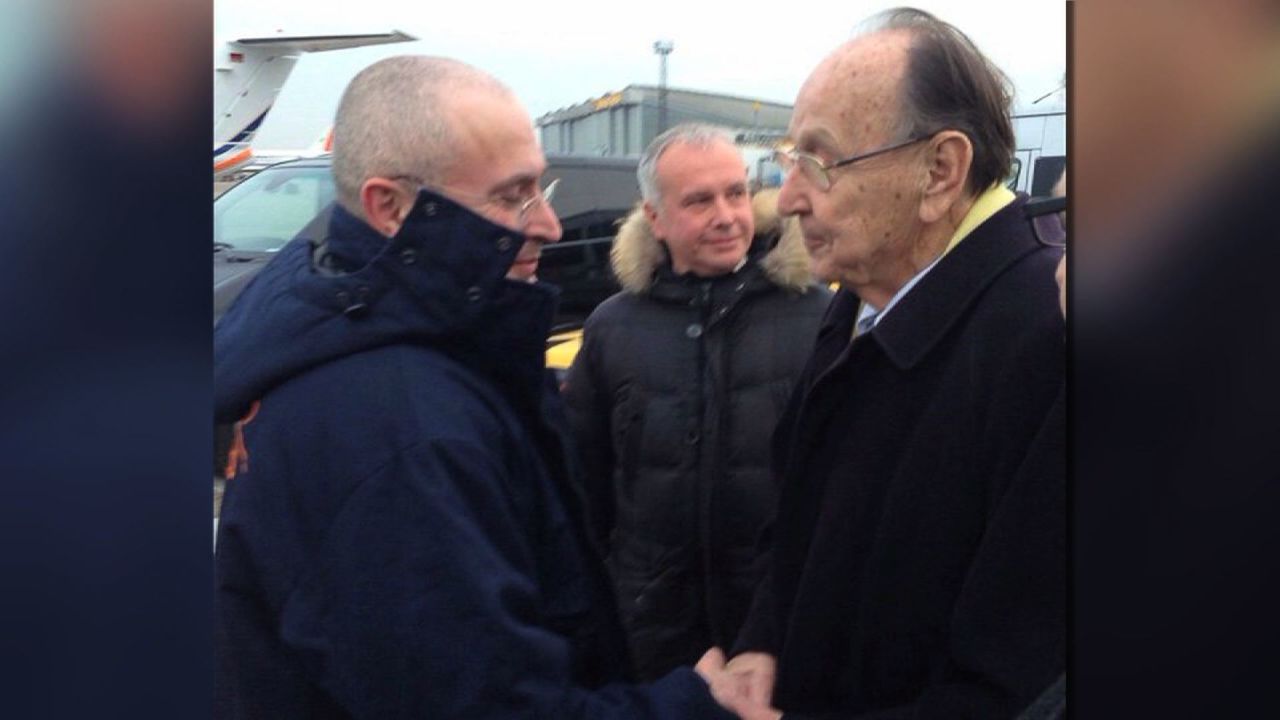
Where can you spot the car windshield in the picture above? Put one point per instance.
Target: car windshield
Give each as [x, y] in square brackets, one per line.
[268, 209]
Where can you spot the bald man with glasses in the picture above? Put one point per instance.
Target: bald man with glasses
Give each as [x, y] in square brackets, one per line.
[401, 534]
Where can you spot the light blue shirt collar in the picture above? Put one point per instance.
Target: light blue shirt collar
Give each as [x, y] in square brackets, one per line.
[869, 316]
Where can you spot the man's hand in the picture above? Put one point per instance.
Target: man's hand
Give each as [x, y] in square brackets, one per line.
[756, 671]
[740, 691]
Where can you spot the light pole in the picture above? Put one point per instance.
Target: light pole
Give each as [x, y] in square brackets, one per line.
[663, 48]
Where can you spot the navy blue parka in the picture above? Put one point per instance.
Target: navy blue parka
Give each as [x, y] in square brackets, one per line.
[403, 537]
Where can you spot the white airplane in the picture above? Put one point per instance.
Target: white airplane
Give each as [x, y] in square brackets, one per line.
[248, 73]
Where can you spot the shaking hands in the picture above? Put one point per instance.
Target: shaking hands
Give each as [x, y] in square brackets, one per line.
[743, 685]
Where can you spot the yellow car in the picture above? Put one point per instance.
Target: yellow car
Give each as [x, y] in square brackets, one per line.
[562, 348]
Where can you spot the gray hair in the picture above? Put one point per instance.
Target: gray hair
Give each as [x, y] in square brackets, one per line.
[696, 134]
[394, 119]
[950, 84]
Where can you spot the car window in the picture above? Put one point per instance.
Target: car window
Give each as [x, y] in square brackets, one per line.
[1015, 169]
[1048, 170]
[265, 211]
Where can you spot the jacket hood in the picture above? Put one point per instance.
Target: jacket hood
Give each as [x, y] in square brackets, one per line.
[637, 254]
[441, 281]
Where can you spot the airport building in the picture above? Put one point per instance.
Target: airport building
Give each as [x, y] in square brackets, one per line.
[622, 123]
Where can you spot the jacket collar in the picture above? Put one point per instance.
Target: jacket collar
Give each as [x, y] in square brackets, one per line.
[673, 287]
[923, 316]
[451, 260]
[441, 282]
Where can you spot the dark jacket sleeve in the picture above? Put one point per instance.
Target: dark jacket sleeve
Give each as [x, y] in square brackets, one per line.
[588, 403]
[425, 603]
[1005, 650]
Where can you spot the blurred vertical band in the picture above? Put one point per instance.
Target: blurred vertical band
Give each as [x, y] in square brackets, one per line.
[104, 349]
[1176, 364]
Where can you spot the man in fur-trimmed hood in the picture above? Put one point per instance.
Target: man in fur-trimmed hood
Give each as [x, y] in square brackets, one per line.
[675, 393]
[637, 254]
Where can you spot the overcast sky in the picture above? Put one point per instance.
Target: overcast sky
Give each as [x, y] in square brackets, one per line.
[558, 53]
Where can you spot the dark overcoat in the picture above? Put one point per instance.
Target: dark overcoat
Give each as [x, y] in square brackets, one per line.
[918, 563]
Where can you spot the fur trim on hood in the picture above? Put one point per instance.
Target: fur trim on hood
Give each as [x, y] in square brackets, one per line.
[636, 253]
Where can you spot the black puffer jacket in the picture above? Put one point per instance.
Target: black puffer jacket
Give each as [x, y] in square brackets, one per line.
[673, 400]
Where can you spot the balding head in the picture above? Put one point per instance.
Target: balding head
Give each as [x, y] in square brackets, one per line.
[948, 83]
[397, 118]
[902, 127]
[861, 81]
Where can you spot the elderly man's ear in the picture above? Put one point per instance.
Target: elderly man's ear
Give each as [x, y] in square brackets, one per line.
[948, 157]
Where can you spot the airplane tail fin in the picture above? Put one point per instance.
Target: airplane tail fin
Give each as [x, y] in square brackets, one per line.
[249, 73]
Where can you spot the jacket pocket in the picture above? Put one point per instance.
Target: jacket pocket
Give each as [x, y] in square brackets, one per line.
[649, 582]
[659, 612]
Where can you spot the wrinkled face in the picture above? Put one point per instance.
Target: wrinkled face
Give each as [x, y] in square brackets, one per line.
[858, 230]
[497, 167]
[703, 212]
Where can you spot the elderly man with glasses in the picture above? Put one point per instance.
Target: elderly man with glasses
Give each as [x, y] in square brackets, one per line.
[917, 564]
[401, 534]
